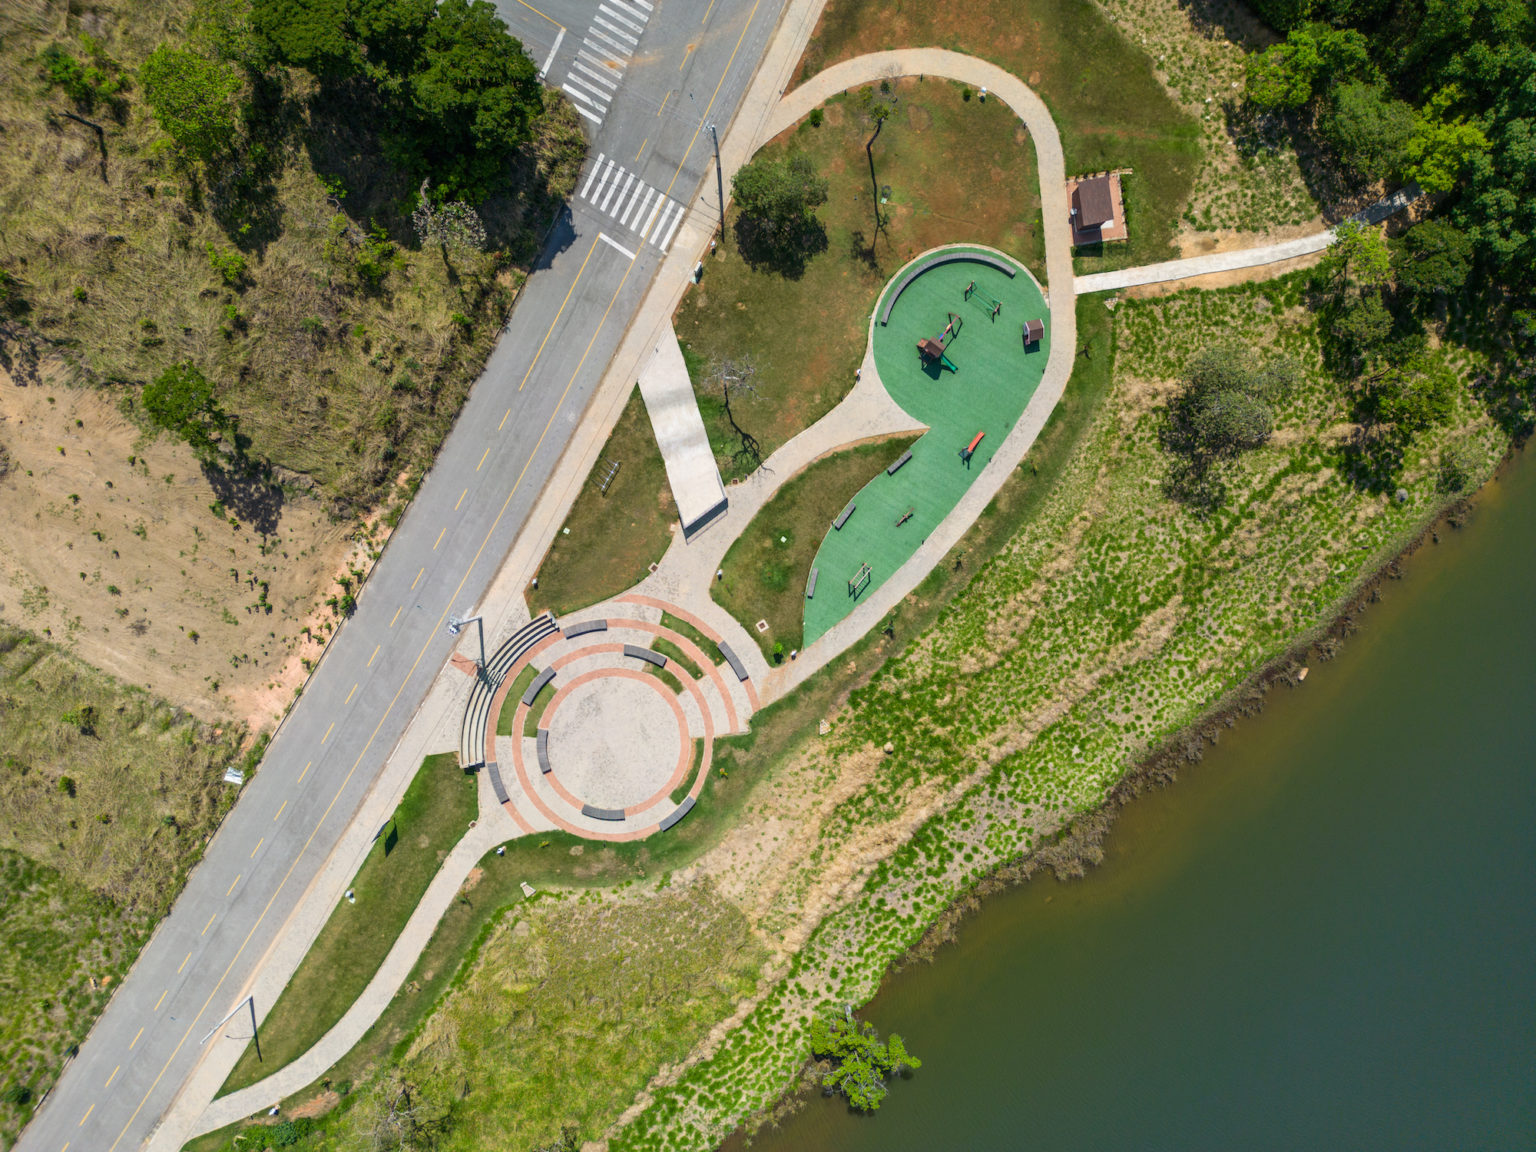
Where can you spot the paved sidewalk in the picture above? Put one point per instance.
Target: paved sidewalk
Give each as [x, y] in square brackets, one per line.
[1244, 257]
[494, 827]
[679, 429]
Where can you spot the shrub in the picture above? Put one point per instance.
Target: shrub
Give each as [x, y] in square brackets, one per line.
[67, 786]
[229, 264]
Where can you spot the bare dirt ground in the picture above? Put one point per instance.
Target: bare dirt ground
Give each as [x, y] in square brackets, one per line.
[108, 545]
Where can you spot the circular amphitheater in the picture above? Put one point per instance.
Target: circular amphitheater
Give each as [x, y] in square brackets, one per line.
[603, 725]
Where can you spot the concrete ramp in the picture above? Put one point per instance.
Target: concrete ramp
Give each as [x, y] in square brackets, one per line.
[680, 433]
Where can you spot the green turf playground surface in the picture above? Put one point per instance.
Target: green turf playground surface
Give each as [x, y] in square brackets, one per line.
[988, 393]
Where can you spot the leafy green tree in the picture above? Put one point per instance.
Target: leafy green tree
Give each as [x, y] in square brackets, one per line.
[776, 201]
[195, 100]
[861, 1063]
[1414, 393]
[1358, 259]
[1312, 58]
[181, 401]
[1363, 323]
[309, 34]
[1369, 128]
[1442, 147]
[89, 82]
[1433, 258]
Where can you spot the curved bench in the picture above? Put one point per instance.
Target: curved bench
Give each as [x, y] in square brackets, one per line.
[602, 813]
[477, 711]
[678, 813]
[645, 654]
[538, 684]
[571, 631]
[732, 659]
[943, 258]
[543, 746]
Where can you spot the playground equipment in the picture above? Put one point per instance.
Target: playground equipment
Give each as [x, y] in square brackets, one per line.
[860, 581]
[904, 517]
[970, 449]
[1033, 330]
[932, 349]
[981, 295]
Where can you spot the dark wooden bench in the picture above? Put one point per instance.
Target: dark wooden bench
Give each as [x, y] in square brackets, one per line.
[602, 813]
[494, 772]
[733, 660]
[842, 517]
[896, 467]
[810, 583]
[944, 258]
[574, 630]
[677, 814]
[645, 654]
[537, 686]
[543, 743]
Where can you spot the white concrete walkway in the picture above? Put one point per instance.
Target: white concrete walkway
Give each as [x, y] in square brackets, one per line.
[674, 413]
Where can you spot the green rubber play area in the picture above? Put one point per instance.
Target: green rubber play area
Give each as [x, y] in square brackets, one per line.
[976, 376]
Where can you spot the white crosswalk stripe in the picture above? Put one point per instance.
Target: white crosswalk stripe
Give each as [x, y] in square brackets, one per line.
[632, 203]
[611, 39]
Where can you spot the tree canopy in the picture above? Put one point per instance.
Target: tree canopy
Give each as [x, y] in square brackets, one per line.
[181, 401]
[1369, 128]
[195, 100]
[776, 201]
[861, 1062]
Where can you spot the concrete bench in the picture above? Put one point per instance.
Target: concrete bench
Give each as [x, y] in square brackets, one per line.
[494, 772]
[733, 660]
[896, 467]
[842, 517]
[583, 628]
[946, 258]
[602, 813]
[537, 686]
[543, 743]
[810, 583]
[645, 654]
[677, 814]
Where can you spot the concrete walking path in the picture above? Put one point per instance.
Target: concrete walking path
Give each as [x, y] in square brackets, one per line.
[679, 429]
[1243, 257]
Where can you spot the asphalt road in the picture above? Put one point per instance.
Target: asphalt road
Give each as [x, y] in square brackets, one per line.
[665, 69]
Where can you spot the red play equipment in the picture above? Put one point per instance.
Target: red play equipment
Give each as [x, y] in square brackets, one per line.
[970, 449]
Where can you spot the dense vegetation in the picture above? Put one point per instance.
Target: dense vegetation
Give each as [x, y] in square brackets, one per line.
[322, 210]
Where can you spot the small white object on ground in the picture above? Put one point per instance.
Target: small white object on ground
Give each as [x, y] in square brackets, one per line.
[527, 888]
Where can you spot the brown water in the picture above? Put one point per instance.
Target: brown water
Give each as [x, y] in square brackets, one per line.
[1324, 936]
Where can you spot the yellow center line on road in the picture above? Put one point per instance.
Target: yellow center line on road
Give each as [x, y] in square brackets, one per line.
[112, 1077]
[368, 744]
[417, 581]
[440, 536]
[663, 107]
[257, 849]
[208, 925]
[375, 655]
[714, 95]
[397, 615]
[536, 12]
[558, 314]
[184, 960]
[461, 497]
[65, 1148]
[641, 149]
[503, 423]
[687, 52]
[302, 774]
[481, 465]
[233, 882]
[279, 811]
[332, 728]
[86, 1117]
[707, 11]
[166, 992]
[135, 1039]
[350, 695]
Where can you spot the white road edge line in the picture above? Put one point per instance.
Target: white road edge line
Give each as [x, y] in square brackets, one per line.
[603, 236]
[544, 71]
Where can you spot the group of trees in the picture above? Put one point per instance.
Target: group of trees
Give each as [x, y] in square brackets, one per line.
[860, 1063]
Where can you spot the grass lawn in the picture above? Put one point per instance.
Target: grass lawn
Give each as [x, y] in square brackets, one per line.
[611, 539]
[1108, 106]
[686, 786]
[683, 628]
[957, 170]
[433, 814]
[765, 569]
[514, 698]
[672, 652]
[536, 709]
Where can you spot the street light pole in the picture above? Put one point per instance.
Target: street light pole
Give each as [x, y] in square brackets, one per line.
[455, 626]
[248, 1002]
[719, 176]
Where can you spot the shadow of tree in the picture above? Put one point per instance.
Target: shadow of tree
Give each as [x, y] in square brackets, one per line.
[248, 494]
[785, 253]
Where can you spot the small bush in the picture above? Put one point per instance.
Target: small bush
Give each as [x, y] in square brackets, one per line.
[67, 786]
[229, 264]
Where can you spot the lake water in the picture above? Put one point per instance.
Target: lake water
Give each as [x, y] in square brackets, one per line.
[1323, 936]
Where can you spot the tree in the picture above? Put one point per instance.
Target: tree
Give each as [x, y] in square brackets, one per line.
[861, 1064]
[1440, 147]
[735, 376]
[1357, 259]
[776, 201]
[194, 100]
[87, 83]
[181, 401]
[1312, 58]
[1414, 393]
[1369, 128]
[1363, 323]
[451, 226]
[401, 1118]
[1432, 258]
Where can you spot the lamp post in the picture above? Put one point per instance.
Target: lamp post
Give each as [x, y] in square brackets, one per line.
[456, 625]
[248, 1002]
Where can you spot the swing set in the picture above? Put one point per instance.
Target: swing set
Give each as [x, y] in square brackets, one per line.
[993, 305]
[932, 349]
[860, 581]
